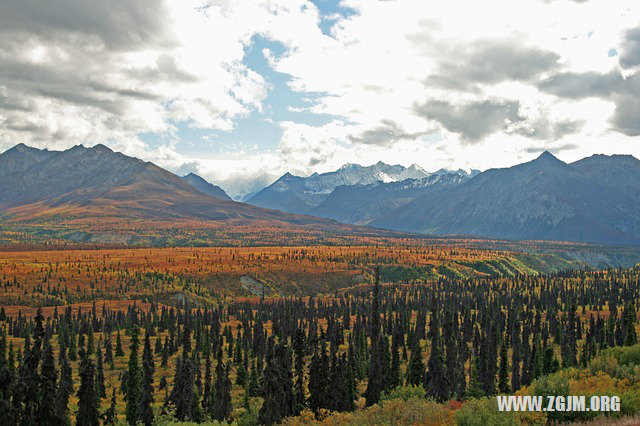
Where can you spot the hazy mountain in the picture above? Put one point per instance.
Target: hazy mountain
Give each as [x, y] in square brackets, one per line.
[205, 187]
[297, 194]
[595, 199]
[21, 157]
[360, 204]
[94, 182]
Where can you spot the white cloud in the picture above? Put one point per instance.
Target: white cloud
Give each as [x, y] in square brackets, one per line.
[454, 84]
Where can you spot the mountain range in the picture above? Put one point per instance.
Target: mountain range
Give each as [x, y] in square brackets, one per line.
[596, 199]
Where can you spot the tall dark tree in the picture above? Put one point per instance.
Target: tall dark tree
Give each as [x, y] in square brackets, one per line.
[416, 368]
[376, 382]
[221, 401]
[100, 388]
[503, 374]
[48, 412]
[87, 414]
[133, 385]
[148, 368]
[277, 388]
[65, 389]
[436, 382]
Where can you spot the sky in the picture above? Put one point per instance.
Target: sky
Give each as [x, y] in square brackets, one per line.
[242, 91]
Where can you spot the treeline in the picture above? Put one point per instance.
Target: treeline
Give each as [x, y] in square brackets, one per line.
[457, 339]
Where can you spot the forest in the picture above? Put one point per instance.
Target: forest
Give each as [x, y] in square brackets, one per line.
[430, 352]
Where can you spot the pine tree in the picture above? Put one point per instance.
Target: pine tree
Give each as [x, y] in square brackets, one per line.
[101, 391]
[415, 369]
[30, 379]
[119, 351]
[206, 394]
[221, 401]
[299, 345]
[474, 390]
[436, 382]
[503, 375]
[375, 385]
[48, 412]
[87, 399]
[109, 416]
[133, 385]
[279, 399]
[631, 336]
[148, 368]
[66, 385]
[318, 380]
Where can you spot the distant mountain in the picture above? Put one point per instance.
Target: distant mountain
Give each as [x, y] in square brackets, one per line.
[21, 157]
[360, 204]
[86, 182]
[205, 187]
[297, 194]
[593, 200]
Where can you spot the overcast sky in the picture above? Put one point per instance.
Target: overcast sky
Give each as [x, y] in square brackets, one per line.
[232, 89]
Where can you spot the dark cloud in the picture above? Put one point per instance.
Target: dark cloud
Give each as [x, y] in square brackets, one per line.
[492, 62]
[583, 85]
[119, 24]
[630, 56]
[543, 128]
[475, 120]
[624, 92]
[386, 133]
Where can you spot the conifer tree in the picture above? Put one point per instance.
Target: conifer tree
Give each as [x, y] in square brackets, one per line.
[65, 388]
[87, 399]
[48, 412]
[101, 391]
[436, 382]
[375, 385]
[119, 351]
[474, 390]
[109, 416]
[148, 368]
[299, 345]
[416, 368]
[133, 384]
[277, 388]
[221, 401]
[503, 375]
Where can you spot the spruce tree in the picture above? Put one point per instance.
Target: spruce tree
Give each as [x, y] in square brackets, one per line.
[48, 412]
[148, 368]
[109, 416]
[87, 414]
[133, 384]
[65, 388]
[474, 390]
[277, 390]
[119, 351]
[101, 391]
[503, 374]
[375, 385]
[415, 369]
[436, 382]
[221, 401]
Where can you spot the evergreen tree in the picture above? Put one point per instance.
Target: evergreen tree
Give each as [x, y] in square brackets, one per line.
[87, 399]
[375, 385]
[133, 384]
[277, 388]
[631, 336]
[221, 401]
[148, 368]
[109, 416]
[503, 375]
[66, 385]
[474, 390]
[119, 351]
[48, 412]
[299, 345]
[415, 369]
[436, 382]
[101, 391]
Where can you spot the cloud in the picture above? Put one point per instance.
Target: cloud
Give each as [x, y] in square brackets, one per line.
[387, 133]
[473, 120]
[491, 61]
[612, 86]
[630, 56]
